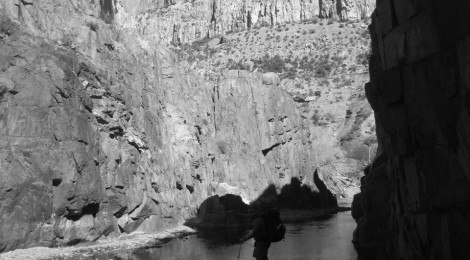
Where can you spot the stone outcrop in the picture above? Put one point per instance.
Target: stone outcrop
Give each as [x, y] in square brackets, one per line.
[102, 133]
[345, 9]
[419, 91]
[342, 176]
[179, 22]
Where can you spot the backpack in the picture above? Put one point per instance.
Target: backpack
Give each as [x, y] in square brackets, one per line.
[274, 228]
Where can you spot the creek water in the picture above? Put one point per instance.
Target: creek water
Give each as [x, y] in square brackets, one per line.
[321, 239]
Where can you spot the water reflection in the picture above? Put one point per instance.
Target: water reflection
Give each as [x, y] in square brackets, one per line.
[326, 239]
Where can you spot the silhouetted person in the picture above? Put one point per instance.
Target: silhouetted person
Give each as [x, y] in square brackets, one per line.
[258, 233]
[267, 227]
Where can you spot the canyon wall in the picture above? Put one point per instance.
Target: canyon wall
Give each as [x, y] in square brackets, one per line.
[102, 133]
[179, 22]
[415, 198]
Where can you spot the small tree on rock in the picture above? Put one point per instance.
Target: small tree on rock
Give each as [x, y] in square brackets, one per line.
[369, 142]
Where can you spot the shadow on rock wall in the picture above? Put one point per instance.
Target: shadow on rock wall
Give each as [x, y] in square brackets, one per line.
[216, 212]
[229, 211]
[298, 195]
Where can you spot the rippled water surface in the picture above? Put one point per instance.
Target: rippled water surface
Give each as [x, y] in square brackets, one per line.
[326, 239]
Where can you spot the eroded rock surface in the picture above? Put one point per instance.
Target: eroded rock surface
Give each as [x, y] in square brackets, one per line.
[102, 133]
[184, 21]
[419, 92]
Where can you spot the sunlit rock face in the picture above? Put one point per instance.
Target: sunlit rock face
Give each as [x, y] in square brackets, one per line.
[420, 71]
[184, 21]
[102, 133]
[346, 9]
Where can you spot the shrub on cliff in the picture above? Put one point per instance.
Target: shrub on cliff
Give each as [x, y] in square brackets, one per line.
[240, 65]
[360, 153]
[365, 34]
[323, 67]
[324, 83]
[306, 64]
[315, 118]
[363, 58]
[290, 73]
[347, 82]
[270, 64]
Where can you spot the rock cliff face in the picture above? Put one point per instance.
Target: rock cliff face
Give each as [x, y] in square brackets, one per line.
[419, 90]
[322, 72]
[102, 133]
[184, 21]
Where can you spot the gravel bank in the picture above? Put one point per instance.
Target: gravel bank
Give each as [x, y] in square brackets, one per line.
[127, 241]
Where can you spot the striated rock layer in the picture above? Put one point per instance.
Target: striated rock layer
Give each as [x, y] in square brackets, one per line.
[184, 21]
[419, 91]
[102, 133]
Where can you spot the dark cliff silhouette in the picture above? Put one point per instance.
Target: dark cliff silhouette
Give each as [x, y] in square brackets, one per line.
[415, 204]
[229, 211]
[296, 195]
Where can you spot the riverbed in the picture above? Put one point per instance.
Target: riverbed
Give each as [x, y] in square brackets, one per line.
[317, 239]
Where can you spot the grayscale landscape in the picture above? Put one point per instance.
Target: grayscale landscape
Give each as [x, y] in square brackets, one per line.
[168, 129]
